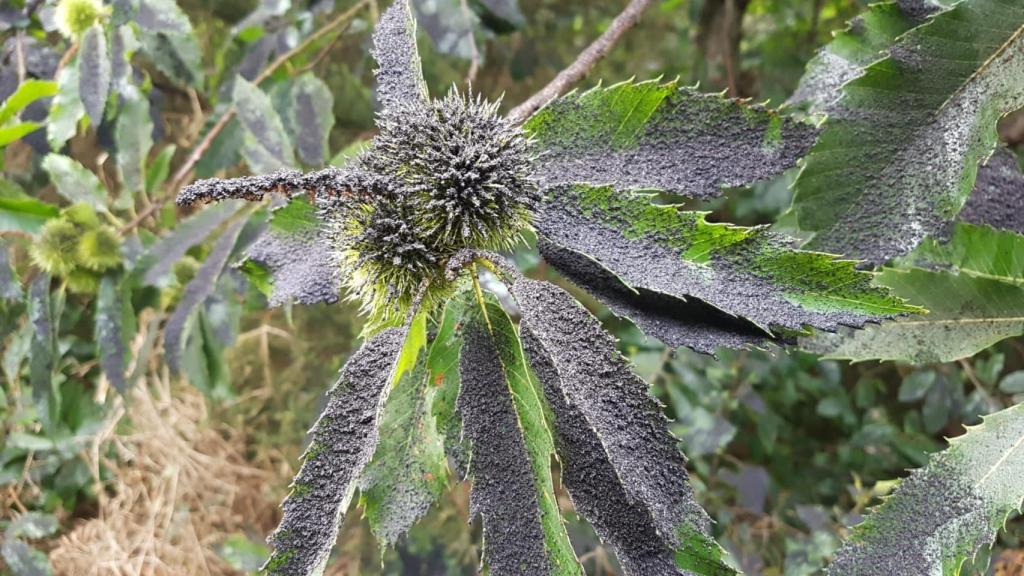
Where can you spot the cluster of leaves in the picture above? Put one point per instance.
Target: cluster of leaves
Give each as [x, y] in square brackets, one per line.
[492, 374]
[554, 385]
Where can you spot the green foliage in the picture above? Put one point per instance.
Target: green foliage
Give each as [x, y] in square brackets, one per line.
[942, 515]
[900, 151]
[972, 287]
[492, 378]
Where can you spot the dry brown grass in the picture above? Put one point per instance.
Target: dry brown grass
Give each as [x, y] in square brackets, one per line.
[179, 486]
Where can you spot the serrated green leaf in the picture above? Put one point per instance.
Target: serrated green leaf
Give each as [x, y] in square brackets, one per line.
[66, 109]
[399, 73]
[943, 514]
[749, 273]
[662, 136]
[619, 461]
[267, 147]
[134, 136]
[973, 287]
[27, 92]
[25, 214]
[75, 182]
[443, 363]
[898, 160]
[310, 118]
[159, 168]
[94, 72]
[511, 447]
[408, 471]
[343, 442]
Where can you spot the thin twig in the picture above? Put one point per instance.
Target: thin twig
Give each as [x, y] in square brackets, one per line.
[474, 53]
[575, 72]
[197, 153]
[19, 51]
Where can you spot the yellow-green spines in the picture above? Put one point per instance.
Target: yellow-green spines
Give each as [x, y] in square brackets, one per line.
[81, 214]
[74, 17]
[100, 249]
[55, 252]
[185, 269]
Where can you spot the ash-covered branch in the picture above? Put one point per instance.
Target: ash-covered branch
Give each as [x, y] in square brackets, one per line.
[253, 188]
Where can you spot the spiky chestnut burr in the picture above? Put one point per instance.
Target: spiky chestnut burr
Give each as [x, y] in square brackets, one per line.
[466, 167]
[384, 255]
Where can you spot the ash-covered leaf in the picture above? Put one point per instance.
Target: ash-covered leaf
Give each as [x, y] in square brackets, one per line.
[310, 118]
[75, 182]
[109, 332]
[42, 348]
[619, 461]
[662, 136]
[511, 448]
[998, 196]
[749, 273]
[160, 258]
[202, 286]
[134, 136]
[297, 254]
[94, 72]
[673, 321]
[899, 154]
[66, 108]
[167, 37]
[972, 286]
[122, 45]
[861, 43]
[399, 73]
[343, 442]
[408, 471]
[942, 515]
[449, 26]
[262, 125]
[10, 286]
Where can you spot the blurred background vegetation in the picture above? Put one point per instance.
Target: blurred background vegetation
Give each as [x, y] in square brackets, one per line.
[184, 478]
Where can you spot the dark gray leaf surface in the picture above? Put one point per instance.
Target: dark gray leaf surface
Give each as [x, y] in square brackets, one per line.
[42, 354]
[10, 287]
[509, 466]
[998, 196]
[749, 273]
[399, 73]
[262, 123]
[898, 157]
[662, 136]
[110, 333]
[943, 514]
[310, 118]
[619, 461]
[202, 285]
[159, 259]
[344, 439]
[673, 321]
[94, 73]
